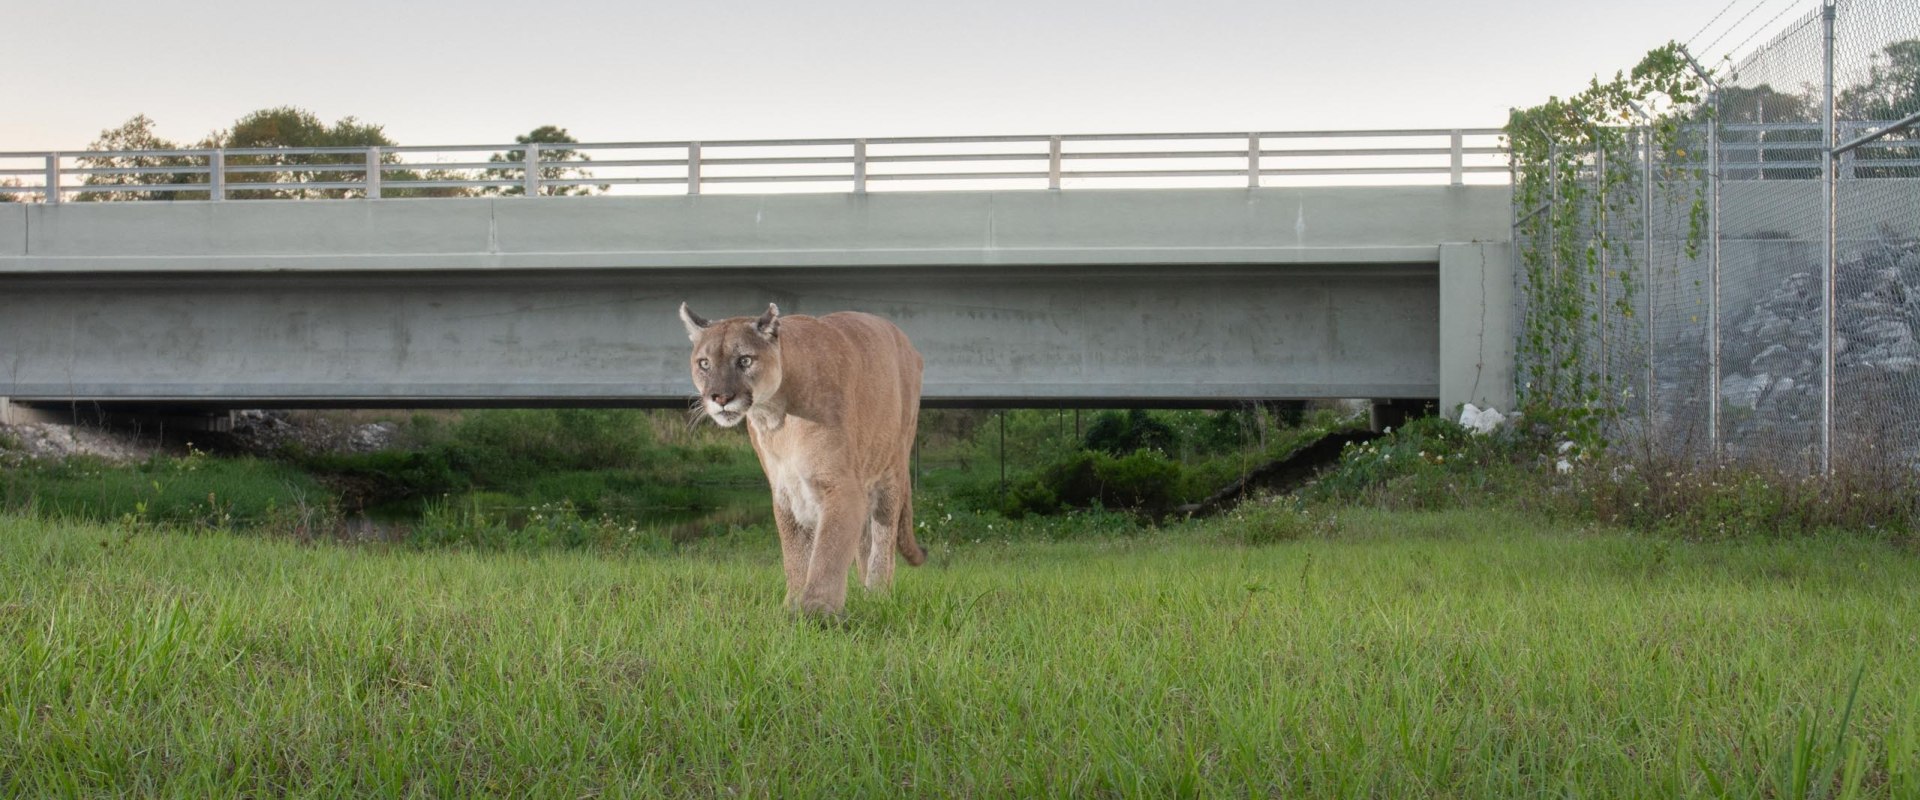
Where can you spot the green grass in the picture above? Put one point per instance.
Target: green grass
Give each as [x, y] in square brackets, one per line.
[1382, 654]
[195, 490]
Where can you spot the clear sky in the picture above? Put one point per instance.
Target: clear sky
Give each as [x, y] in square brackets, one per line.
[632, 70]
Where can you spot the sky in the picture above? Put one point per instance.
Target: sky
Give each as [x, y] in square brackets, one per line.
[439, 73]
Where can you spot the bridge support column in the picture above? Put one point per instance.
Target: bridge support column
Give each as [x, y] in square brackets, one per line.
[1476, 326]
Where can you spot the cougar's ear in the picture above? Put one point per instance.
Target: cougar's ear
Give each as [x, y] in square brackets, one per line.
[693, 321]
[769, 323]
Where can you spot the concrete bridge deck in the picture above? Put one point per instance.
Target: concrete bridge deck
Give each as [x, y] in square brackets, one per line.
[1097, 297]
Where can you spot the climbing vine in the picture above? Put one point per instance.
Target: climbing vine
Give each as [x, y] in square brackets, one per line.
[1579, 212]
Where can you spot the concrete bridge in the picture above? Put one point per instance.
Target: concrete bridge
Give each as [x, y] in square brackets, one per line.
[1134, 296]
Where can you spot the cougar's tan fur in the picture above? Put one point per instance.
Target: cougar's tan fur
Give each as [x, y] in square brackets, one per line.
[831, 404]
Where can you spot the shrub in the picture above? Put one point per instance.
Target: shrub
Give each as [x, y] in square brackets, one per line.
[1273, 521]
[1115, 433]
[1145, 481]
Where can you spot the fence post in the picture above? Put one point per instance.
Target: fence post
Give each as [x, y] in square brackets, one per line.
[1606, 265]
[1829, 284]
[217, 175]
[859, 166]
[1459, 160]
[1053, 162]
[373, 172]
[1253, 161]
[531, 179]
[1713, 277]
[1553, 258]
[693, 168]
[1646, 262]
[52, 191]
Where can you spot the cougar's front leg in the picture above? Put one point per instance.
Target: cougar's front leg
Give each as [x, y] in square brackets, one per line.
[836, 544]
[796, 543]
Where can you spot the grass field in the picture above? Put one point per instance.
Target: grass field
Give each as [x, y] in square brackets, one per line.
[1465, 654]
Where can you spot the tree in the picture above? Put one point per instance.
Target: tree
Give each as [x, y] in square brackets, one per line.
[1794, 122]
[1892, 88]
[543, 135]
[137, 134]
[1763, 103]
[1890, 92]
[290, 127]
[271, 128]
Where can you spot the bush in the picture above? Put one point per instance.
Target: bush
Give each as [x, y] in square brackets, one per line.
[1273, 521]
[1699, 502]
[1116, 434]
[1425, 446]
[1145, 481]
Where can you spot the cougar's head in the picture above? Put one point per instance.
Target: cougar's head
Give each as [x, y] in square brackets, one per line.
[735, 361]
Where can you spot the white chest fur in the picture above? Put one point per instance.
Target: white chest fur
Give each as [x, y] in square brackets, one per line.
[793, 490]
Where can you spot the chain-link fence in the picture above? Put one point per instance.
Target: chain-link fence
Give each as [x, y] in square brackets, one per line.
[1754, 275]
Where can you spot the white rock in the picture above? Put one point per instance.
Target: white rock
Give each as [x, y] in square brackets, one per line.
[1480, 420]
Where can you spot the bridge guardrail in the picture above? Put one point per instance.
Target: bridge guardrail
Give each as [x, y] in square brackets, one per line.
[693, 167]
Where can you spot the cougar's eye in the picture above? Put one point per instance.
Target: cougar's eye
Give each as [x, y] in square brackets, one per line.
[704, 364]
[744, 362]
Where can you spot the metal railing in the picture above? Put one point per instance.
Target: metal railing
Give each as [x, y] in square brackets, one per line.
[691, 167]
[1796, 150]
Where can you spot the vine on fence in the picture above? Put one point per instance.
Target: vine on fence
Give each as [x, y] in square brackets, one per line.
[1575, 162]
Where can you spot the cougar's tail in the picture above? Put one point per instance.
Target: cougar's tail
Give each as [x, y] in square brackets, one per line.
[909, 548]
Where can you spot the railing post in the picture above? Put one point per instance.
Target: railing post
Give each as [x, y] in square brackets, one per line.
[693, 168]
[52, 191]
[859, 166]
[1053, 162]
[373, 172]
[531, 179]
[1459, 159]
[217, 175]
[1253, 160]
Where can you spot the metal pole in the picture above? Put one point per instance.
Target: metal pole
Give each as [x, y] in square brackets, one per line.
[52, 191]
[1553, 259]
[693, 168]
[1714, 165]
[1646, 260]
[1713, 278]
[531, 180]
[373, 172]
[1606, 264]
[1003, 453]
[217, 175]
[1831, 277]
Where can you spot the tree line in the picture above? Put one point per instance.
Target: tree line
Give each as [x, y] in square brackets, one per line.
[148, 171]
